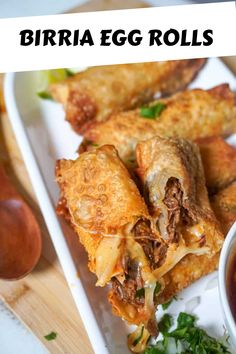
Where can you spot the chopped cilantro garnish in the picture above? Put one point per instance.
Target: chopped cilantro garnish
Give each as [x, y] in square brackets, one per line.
[140, 293]
[51, 336]
[152, 112]
[137, 340]
[69, 72]
[192, 339]
[166, 305]
[45, 95]
[158, 349]
[89, 142]
[165, 323]
[185, 320]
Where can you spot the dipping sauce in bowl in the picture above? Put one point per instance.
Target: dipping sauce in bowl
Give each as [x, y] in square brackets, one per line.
[227, 284]
[231, 282]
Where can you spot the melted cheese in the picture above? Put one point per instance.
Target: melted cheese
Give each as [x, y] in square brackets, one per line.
[135, 251]
[141, 335]
[107, 257]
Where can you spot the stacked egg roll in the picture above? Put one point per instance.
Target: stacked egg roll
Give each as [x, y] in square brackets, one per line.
[96, 93]
[191, 114]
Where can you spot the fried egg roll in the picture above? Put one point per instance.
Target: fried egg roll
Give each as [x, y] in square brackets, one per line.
[192, 267]
[186, 272]
[113, 223]
[174, 187]
[224, 206]
[96, 93]
[132, 242]
[191, 114]
[219, 162]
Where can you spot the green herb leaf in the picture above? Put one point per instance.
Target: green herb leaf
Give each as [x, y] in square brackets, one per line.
[155, 350]
[166, 305]
[137, 340]
[51, 336]
[192, 339]
[157, 288]
[152, 112]
[90, 143]
[45, 95]
[69, 72]
[165, 323]
[140, 293]
[185, 320]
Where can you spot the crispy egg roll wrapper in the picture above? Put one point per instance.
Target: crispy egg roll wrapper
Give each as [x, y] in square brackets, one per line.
[187, 271]
[101, 197]
[96, 93]
[224, 206]
[219, 162]
[104, 206]
[192, 267]
[191, 114]
[174, 185]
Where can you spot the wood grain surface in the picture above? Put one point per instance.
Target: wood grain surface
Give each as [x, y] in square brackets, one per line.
[42, 300]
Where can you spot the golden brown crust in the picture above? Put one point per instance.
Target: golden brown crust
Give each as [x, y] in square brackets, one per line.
[191, 114]
[103, 204]
[219, 162]
[100, 195]
[186, 272]
[161, 160]
[98, 92]
[224, 207]
[192, 267]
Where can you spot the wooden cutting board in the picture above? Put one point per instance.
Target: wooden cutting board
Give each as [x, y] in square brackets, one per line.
[42, 300]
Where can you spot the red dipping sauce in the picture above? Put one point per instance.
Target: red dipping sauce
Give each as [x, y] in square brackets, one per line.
[231, 282]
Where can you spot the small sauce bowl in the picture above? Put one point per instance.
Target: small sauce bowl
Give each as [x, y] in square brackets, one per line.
[227, 278]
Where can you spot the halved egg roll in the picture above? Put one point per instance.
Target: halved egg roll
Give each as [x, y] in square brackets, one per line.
[174, 187]
[96, 93]
[191, 114]
[192, 267]
[113, 223]
[219, 162]
[131, 245]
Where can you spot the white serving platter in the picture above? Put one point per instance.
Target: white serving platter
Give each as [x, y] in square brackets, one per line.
[44, 136]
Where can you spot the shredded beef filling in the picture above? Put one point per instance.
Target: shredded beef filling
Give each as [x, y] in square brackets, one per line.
[177, 214]
[153, 249]
[152, 327]
[131, 289]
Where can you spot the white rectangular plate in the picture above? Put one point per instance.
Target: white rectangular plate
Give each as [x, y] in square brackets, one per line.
[44, 136]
